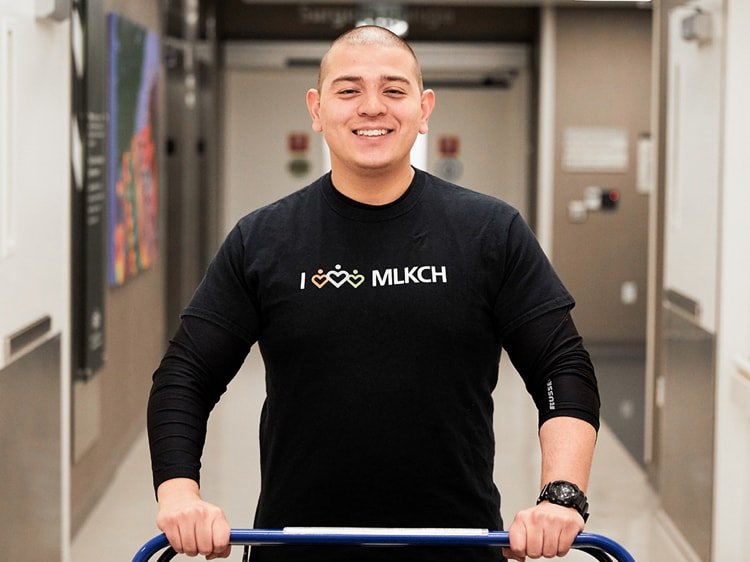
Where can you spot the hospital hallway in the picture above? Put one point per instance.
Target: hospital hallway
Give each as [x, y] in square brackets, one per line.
[623, 505]
[136, 134]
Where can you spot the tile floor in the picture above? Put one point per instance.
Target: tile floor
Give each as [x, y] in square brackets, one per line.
[623, 505]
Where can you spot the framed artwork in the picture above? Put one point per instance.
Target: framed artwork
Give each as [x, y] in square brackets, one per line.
[133, 198]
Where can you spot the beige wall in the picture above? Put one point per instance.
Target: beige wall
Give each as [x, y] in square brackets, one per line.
[114, 402]
[261, 108]
[493, 137]
[603, 74]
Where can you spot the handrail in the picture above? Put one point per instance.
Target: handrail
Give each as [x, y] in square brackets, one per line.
[387, 537]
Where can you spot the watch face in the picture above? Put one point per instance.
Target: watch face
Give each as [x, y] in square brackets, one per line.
[563, 492]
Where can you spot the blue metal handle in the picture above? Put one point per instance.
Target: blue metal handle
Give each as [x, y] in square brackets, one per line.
[367, 537]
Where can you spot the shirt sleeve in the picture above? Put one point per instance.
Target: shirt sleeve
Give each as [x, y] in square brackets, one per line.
[218, 327]
[529, 285]
[548, 353]
[226, 296]
[201, 360]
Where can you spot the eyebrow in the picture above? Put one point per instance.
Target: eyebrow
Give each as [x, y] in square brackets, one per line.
[359, 79]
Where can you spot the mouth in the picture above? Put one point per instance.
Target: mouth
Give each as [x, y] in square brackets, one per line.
[372, 132]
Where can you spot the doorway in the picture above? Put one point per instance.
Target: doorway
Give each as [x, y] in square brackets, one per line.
[479, 133]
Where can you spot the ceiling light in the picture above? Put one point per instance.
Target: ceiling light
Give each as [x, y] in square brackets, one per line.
[392, 17]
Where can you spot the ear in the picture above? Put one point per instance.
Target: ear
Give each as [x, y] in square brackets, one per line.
[428, 104]
[313, 107]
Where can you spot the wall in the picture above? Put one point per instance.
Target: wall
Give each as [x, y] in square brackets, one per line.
[732, 479]
[603, 80]
[493, 139]
[255, 165]
[34, 129]
[110, 409]
[34, 272]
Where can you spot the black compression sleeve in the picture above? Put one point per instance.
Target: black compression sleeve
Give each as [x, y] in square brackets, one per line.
[548, 352]
[201, 360]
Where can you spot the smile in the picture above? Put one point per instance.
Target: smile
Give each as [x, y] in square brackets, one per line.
[371, 132]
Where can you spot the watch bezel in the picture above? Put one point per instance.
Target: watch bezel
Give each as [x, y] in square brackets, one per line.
[576, 500]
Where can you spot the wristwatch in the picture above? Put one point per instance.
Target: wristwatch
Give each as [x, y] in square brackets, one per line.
[566, 494]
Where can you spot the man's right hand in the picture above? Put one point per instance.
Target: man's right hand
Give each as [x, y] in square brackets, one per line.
[191, 525]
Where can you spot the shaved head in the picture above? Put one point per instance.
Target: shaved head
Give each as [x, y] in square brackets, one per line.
[365, 36]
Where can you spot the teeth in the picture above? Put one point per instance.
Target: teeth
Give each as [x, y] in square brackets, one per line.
[372, 132]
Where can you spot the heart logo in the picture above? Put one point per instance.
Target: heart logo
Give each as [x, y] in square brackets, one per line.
[319, 280]
[356, 280]
[337, 278]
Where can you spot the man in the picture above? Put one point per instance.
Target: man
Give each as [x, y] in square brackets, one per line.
[380, 297]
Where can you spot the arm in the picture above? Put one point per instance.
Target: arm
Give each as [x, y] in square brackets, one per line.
[199, 363]
[557, 371]
[567, 450]
[547, 529]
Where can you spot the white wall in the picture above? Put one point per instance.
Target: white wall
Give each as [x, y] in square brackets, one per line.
[34, 133]
[35, 175]
[732, 474]
[261, 108]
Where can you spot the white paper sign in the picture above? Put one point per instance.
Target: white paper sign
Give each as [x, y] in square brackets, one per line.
[595, 149]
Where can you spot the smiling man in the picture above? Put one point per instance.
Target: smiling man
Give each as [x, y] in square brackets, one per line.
[379, 407]
[370, 114]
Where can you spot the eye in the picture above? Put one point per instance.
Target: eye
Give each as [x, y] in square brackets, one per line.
[347, 92]
[395, 92]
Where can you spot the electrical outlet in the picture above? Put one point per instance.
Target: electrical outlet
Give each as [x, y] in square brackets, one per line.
[629, 292]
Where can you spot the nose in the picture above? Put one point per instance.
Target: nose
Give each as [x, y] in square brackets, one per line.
[372, 104]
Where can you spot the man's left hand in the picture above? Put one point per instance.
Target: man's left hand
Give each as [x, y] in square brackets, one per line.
[544, 530]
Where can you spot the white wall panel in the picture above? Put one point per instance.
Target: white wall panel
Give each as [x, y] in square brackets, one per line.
[732, 477]
[34, 182]
[35, 110]
[693, 163]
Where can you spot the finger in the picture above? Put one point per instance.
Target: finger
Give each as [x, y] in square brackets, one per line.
[567, 536]
[171, 530]
[551, 542]
[187, 538]
[220, 531]
[204, 540]
[224, 554]
[173, 536]
[510, 556]
[534, 541]
[518, 540]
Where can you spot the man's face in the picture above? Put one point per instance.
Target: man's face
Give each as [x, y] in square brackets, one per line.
[369, 108]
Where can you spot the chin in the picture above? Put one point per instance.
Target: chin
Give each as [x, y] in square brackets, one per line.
[383, 165]
[378, 169]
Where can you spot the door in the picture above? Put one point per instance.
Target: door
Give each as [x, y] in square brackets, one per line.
[270, 148]
[685, 396]
[271, 151]
[479, 138]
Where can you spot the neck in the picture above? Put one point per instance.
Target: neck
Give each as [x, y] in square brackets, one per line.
[375, 189]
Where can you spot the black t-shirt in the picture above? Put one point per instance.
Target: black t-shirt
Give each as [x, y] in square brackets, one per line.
[381, 330]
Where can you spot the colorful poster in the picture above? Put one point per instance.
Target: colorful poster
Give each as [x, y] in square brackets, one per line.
[133, 167]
